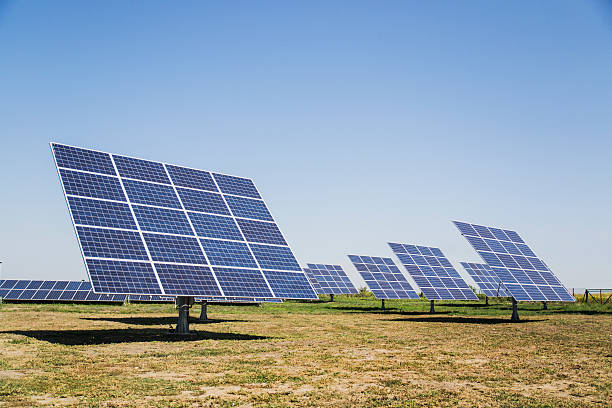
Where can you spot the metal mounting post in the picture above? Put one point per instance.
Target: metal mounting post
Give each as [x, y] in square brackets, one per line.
[431, 307]
[183, 303]
[331, 297]
[203, 312]
[486, 300]
[544, 306]
[515, 316]
[383, 303]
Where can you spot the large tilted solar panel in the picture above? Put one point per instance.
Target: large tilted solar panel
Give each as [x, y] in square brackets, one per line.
[524, 275]
[331, 279]
[486, 279]
[150, 228]
[45, 290]
[383, 277]
[432, 272]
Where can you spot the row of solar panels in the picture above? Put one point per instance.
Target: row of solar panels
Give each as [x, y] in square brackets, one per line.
[80, 291]
[157, 229]
[515, 271]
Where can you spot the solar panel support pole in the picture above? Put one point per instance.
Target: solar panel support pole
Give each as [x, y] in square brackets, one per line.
[431, 307]
[383, 304]
[183, 303]
[331, 297]
[544, 306]
[486, 300]
[515, 316]
[203, 312]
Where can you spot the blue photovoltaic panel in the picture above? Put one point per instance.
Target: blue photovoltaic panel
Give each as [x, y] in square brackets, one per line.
[249, 208]
[198, 179]
[242, 282]
[68, 291]
[260, 231]
[162, 220]
[486, 279]
[383, 277]
[313, 281]
[155, 229]
[432, 272]
[187, 280]
[236, 185]
[141, 169]
[331, 279]
[524, 275]
[101, 213]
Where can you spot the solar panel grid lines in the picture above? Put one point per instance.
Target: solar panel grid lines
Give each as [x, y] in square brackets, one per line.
[486, 279]
[524, 275]
[313, 281]
[432, 272]
[148, 219]
[383, 277]
[330, 279]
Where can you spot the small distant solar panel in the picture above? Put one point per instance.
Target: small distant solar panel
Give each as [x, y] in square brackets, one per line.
[524, 275]
[486, 279]
[383, 277]
[63, 291]
[432, 272]
[156, 229]
[330, 279]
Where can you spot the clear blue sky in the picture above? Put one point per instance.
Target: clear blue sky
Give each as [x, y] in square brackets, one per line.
[360, 122]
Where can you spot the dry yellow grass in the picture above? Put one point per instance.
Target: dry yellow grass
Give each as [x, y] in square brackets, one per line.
[343, 354]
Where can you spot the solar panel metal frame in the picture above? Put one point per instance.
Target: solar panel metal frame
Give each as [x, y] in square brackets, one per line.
[432, 272]
[486, 279]
[279, 256]
[525, 276]
[330, 279]
[384, 279]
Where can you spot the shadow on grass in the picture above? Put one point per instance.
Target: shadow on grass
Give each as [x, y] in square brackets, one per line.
[157, 321]
[93, 337]
[463, 320]
[387, 310]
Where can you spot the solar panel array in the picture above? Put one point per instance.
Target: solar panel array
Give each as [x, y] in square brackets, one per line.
[330, 279]
[152, 228]
[432, 272]
[523, 274]
[383, 277]
[486, 279]
[39, 290]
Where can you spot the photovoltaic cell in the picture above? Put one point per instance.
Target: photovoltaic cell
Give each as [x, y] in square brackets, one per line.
[432, 272]
[330, 279]
[383, 277]
[486, 279]
[155, 229]
[523, 274]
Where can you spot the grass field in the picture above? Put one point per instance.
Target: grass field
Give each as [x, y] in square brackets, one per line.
[341, 354]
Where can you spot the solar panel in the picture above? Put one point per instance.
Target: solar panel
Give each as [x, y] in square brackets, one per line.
[156, 229]
[432, 272]
[313, 281]
[65, 291]
[486, 279]
[524, 275]
[383, 277]
[330, 279]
